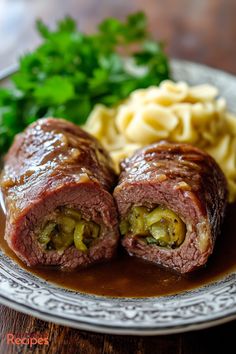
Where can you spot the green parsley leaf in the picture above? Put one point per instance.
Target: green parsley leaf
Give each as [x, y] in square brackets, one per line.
[72, 71]
[54, 90]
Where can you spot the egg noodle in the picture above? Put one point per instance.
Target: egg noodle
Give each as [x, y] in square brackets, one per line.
[175, 112]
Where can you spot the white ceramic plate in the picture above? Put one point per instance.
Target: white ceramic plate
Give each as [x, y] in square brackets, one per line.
[200, 308]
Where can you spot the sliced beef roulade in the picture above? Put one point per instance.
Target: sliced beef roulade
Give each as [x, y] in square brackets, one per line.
[171, 199]
[56, 184]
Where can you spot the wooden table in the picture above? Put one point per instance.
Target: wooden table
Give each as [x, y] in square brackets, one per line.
[198, 30]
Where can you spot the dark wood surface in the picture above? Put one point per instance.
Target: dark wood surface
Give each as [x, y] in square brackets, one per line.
[198, 30]
[217, 340]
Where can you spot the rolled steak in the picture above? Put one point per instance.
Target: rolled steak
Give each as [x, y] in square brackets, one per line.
[56, 184]
[171, 200]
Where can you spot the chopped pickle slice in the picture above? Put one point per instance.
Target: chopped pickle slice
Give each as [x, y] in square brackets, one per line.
[78, 236]
[159, 230]
[66, 223]
[124, 227]
[45, 235]
[137, 220]
[68, 228]
[166, 226]
[161, 226]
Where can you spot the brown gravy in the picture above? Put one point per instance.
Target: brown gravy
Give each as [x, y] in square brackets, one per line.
[127, 276]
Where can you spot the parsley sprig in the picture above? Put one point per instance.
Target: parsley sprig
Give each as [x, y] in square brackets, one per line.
[72, 71]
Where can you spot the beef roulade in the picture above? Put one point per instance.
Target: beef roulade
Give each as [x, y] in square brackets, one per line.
[171, 199]
[55, 183]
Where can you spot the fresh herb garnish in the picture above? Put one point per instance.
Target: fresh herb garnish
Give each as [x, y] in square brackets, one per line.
[71, 71]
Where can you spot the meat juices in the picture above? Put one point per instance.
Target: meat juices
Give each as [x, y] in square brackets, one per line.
[56, 184]
[171, 199]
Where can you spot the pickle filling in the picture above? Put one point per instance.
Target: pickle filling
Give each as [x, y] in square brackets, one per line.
[159, 226]
[66, 229]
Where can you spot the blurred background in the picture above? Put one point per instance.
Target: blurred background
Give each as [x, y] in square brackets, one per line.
[198, 30]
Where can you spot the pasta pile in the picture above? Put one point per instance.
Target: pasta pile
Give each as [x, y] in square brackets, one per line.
[175, 112]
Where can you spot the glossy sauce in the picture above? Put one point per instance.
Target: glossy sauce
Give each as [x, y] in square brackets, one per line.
[127, 276]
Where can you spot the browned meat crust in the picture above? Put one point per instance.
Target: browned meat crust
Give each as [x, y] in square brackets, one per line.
[184, 179]
[54, 163]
